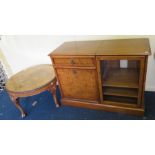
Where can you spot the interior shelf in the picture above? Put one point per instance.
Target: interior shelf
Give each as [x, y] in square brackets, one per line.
[126, 92]
[127, 100]
[122, 77]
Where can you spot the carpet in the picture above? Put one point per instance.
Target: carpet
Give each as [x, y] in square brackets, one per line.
[42, 107]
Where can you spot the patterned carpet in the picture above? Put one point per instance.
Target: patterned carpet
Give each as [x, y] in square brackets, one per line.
[41, 107]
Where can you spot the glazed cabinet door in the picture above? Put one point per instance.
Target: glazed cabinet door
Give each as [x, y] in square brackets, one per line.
[80, 84]
[121, 80]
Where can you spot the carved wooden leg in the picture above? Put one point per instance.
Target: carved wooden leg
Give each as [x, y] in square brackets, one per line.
[53, 92]
[17, 104]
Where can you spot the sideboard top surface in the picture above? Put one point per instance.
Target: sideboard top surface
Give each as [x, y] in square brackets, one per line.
[139, 46]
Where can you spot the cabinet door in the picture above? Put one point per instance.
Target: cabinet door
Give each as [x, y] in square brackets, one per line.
[78, 83]
[121, 80]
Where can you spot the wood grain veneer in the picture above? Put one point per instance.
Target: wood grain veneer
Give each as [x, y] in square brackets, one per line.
[89, 74]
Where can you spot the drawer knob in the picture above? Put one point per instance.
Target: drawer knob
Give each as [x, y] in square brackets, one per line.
[74, 71]
[72, 61]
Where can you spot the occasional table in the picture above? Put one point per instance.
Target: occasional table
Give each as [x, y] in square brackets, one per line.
[32, 81]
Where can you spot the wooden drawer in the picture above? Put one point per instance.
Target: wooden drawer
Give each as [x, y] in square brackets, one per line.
[78, 61]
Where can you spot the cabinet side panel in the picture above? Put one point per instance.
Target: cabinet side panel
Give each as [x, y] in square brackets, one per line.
[99, 79]
[52, 60]
[141, 81]
[144, 79]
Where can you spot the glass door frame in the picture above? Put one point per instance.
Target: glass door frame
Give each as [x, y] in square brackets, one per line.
[141, 74]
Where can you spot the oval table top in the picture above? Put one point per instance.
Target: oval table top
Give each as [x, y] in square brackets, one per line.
[31, 78]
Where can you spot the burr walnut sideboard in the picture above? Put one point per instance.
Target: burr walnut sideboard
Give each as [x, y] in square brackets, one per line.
[105, 75]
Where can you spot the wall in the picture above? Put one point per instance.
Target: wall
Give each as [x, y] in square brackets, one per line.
[24, 51]
[5, 63]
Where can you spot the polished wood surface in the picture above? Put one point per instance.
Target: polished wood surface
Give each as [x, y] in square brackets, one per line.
[127, 78]
[106, 106]
[138, 46]
[120, 99]
[32, 81]
[78, 83]
[125, 47]
[82, 78]
[77, 48]
[144, 79]
[73, 61]
[31, 78]
[120, 92]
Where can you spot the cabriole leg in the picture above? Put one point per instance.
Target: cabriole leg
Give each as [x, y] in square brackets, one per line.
[53, 92]
[15, 100]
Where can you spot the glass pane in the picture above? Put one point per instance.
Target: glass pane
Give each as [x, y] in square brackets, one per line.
[120, 80]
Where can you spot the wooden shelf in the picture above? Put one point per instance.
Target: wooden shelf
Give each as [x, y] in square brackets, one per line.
[126, 92]
[123, 77]
[127, 100]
